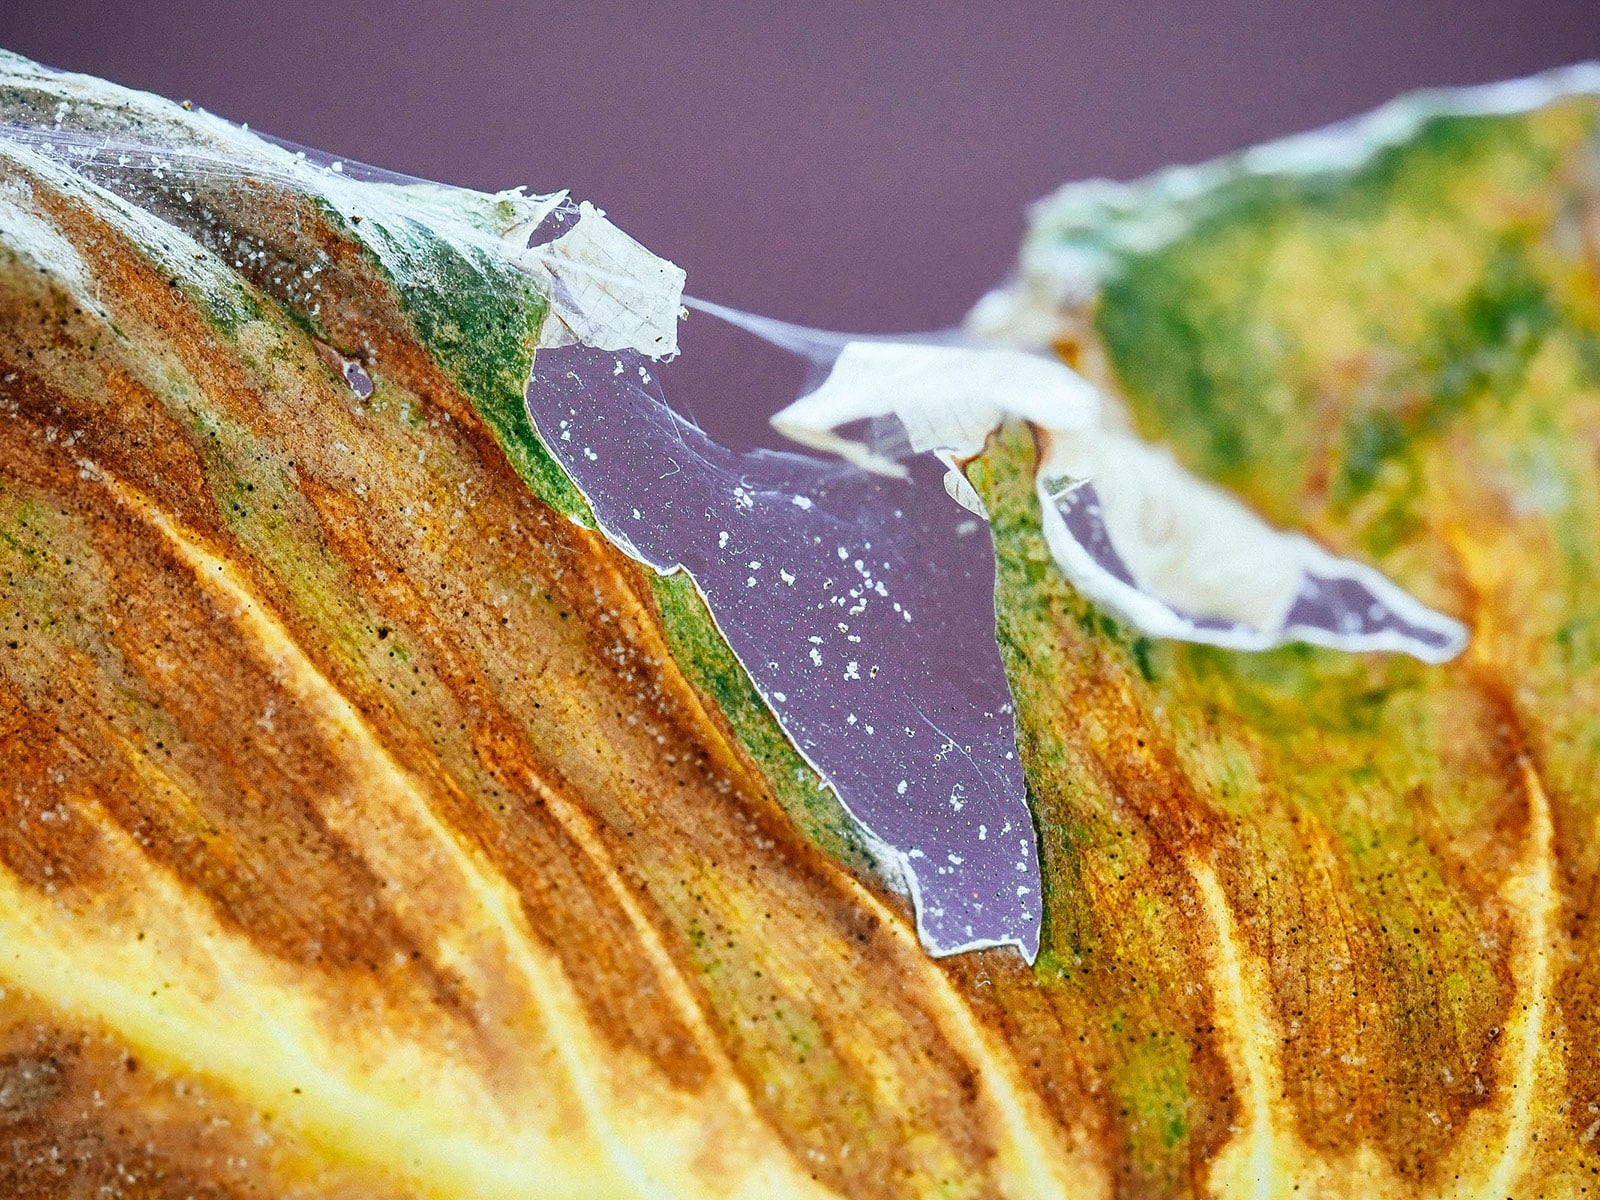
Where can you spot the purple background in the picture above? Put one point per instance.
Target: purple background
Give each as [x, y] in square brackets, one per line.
[840, 164]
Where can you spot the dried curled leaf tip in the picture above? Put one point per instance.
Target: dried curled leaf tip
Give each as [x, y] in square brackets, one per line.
[1131, 528]
[608, 291]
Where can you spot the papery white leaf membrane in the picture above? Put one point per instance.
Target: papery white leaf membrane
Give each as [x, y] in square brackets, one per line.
[1171, 554]
[608, 291]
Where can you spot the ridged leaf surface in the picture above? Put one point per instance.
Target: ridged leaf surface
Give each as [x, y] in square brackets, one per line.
[371, 826]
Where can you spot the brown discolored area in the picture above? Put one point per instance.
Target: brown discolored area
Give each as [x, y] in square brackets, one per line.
[48, 843]
[81, 1113]
[186, 764]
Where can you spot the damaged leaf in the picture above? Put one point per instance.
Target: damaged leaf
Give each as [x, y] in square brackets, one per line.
[375, 826]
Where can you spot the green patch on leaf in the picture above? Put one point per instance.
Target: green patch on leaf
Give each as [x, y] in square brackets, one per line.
[710, 664]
